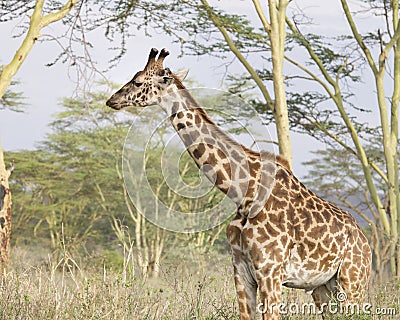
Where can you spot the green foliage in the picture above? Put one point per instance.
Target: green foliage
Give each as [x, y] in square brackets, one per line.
[68, 186]
[113, 260]
[14, 8]
[187, 22]
[343, 178]
[12, 100]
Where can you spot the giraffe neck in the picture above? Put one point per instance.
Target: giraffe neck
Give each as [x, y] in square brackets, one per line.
[230, 166]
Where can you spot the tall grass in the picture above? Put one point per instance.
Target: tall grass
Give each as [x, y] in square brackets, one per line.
[68, 290]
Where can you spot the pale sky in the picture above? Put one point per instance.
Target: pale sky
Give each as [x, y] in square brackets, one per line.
[43, 86]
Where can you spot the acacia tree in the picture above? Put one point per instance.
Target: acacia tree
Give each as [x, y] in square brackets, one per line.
[144, 243]
[67, 188]
[40, 17]
[70, 188]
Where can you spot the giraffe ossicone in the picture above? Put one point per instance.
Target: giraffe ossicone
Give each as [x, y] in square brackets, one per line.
[282, 233]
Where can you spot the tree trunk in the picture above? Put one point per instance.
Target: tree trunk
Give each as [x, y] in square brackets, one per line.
[277, 35]
[37, 22]
[5, 213]
[158, 248]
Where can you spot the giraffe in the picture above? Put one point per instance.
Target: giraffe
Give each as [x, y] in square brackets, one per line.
[282, 234]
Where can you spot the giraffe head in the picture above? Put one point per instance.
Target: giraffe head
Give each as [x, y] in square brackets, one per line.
[148, 85]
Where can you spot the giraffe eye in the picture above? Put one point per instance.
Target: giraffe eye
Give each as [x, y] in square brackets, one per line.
[167, 79]
[138, 84]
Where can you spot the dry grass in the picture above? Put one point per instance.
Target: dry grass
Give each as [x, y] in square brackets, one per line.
[66, 291]
[34, 295]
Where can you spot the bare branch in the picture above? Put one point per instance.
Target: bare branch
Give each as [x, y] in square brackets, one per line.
[239, 55]
[38, 21]
[358, 37]
[266, 25]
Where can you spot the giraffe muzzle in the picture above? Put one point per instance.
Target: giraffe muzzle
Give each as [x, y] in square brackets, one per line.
[113, 104]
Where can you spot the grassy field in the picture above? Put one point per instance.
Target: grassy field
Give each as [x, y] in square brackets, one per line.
[67, 290]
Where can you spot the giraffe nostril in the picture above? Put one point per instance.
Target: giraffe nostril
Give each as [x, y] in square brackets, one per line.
[109, 102]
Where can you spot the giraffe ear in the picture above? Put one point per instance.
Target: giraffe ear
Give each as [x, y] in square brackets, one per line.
[181, 74]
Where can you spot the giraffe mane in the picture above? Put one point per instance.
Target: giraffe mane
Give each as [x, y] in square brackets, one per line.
[282, 161]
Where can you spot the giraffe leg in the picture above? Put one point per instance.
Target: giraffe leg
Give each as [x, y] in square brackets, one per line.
[270, 294]
[246, 291]
[246, 286]
[354, 273]
[348, 287]
[322, 295]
